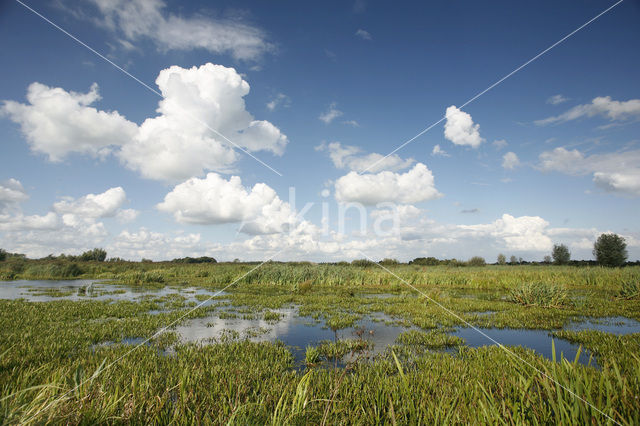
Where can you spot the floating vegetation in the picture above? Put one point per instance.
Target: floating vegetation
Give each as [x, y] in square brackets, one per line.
[271, 316]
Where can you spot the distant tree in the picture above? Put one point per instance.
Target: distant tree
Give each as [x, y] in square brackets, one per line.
[560, 254]
[477, 261]
[610, 250]
[3, 255]
[513, 260]
[96, 254]
[388, 262]
[363, 263]
[547, 259]
[502, 259]
[425, 261]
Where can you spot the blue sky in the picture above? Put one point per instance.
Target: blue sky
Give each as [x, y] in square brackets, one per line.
[319, 93]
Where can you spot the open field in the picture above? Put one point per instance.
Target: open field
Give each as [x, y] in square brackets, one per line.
[56, 356]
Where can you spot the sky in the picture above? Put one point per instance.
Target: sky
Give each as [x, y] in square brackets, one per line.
[318, 131]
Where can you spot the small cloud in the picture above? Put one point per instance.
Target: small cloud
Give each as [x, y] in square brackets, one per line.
[506, 180]
[330, 54]
[363, 34]
[556, 99]
[439, 151]
[470, 211]
[331, 114]
[279, 100]
[352, 123]
[510, 161]
[499, 144]
[460, 129]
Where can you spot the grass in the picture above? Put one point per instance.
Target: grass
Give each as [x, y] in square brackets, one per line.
[48, 349]
[540, 294]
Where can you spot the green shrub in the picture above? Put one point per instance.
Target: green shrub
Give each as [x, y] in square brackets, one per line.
[477, 261]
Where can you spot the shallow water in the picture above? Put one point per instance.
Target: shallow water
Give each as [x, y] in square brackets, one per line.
[300, 332]
[293, 330]
[614, 325]
[30, 290]
[538, 340]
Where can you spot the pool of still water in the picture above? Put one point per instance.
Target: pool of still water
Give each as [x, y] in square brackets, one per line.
[299, 332]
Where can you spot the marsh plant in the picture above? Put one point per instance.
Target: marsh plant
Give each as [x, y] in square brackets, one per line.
[540, 294]
[630, 290]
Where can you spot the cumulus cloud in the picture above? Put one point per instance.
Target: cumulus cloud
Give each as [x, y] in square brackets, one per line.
[602, 106]
[330, 114]
[556, 99]
[460, 129]
[147, 19]
[522, 233]
[617, 172]
[413, 186]
[20, 222]
[437, 151]
[510, 161]
[363, 34]
[199, 105]
[93, 205]
[56, 122]
[352, 158]
[214, 200]
[11, 194]
[148, 244]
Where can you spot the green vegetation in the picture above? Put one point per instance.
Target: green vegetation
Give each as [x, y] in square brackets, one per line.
[610, 250]
[55, 357]
[560, 254]
[540, 294]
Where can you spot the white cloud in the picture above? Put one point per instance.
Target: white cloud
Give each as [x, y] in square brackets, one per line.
[21, 222]
[279, 100]
[510, 161]
[614, 172]
[413, 186]
[351, 158]
[214, 200]
[460, 130]
[93, 205]
[602, 106]
[352, 123]
[363, 34]
[331, 114]
[524, 233]
[499, 144]
[56, 122]
[200, 104]
[11, 194]
[158, 246]
[127, 215]
[439, 151]
[557, 99]
[139, 19]
[181, 141]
